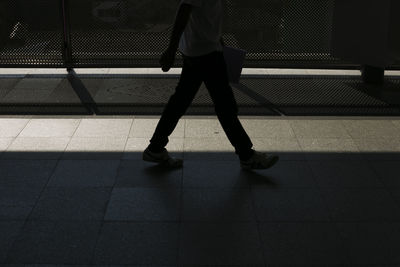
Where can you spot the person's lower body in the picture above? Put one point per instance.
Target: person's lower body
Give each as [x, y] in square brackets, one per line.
[211, 69]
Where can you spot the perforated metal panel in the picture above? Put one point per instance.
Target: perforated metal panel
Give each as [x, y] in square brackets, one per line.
[134, 33]
[286, 31]
[111, 33]
[31, 33]
[148, 94]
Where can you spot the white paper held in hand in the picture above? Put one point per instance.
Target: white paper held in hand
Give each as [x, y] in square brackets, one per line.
[234, 59]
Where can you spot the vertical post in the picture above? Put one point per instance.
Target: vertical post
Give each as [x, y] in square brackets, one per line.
[67, 53]
[372, 74]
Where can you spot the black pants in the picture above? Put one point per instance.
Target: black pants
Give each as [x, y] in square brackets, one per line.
[211, 69]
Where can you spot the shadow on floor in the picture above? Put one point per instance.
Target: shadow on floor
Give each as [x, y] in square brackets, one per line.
[113, 208]
[146, 94]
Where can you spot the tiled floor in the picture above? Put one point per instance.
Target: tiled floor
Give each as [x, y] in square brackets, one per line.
[74, 191]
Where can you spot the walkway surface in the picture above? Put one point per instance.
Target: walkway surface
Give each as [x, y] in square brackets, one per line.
[290, 92]
[74, 191]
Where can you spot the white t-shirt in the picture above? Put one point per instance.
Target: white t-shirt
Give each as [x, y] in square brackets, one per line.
[203, 31]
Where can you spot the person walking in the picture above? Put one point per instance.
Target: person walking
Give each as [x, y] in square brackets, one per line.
[197, 33]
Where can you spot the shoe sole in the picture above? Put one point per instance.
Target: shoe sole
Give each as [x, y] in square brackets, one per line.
[149, 158]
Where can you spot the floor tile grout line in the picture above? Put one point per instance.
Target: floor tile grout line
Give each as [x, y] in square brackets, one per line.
[131, 127]
[218, 188]
[61, 157]
[46, 186]
[382, 186]
[320, 194]
[70, 139]
[327, 209]
[258, 222]
[127, 139]
[373, 136]
[396, 125]
[385, 186]
[31, 211]
[318, 189]
[13, 86]
[180, 212]
[26, 124]
[3, 153]
[184, 141]
[92, 257]
[210, 221]
[298, 141]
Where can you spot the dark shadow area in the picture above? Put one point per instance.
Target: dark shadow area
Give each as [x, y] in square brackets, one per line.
[89, 208]
[81, 91]
[388, 93]
[122, 94]
[134, 34]
[147, 94]
[324, 95]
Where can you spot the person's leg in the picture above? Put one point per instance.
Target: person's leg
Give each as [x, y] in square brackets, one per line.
[188, 85]
[217, 83]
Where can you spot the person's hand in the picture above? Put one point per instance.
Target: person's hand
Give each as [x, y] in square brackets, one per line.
[167, 59]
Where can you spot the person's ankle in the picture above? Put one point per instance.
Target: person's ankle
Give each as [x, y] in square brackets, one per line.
[155, 149]
[247, 155]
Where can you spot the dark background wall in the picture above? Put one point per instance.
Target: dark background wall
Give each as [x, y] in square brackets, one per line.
[284, 33]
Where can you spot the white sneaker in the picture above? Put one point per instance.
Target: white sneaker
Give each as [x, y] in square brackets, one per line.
[259, 160]
[162, 158]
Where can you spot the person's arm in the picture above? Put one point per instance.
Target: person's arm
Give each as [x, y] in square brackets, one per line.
[181, 21]
[182, 18]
